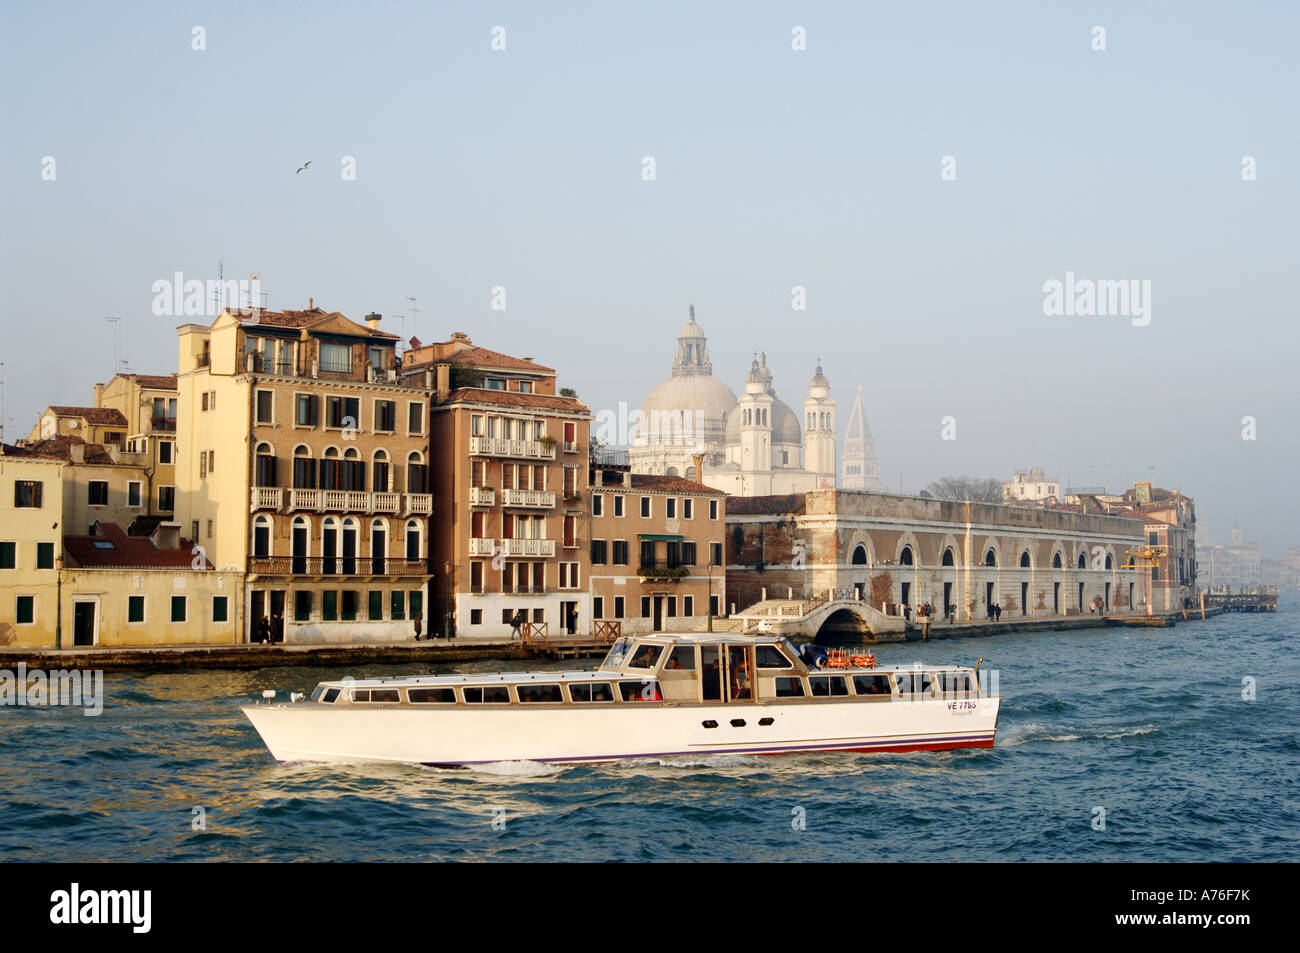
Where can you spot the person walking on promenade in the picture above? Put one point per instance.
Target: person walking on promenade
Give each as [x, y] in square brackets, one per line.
[418, 621]
[262, 632]
[516, 621]
[277, 628]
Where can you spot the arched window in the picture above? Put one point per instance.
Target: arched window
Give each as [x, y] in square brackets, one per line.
[1130, 562]
[414, 540]
[1024, 559]
[329, 545]
[329, 469]
[379, 472]
[905, 557]
[1109, 564]
[304, 468]
[352, 475]
[378, 547]
[859, 556]
[948, 559]
[351, 530]
[672, 471]
[264, 474]
[262, 537]
[690, 473]
[1083, 562]
[990, 558]
[301, 543]
[1056, 560]
[417, 474]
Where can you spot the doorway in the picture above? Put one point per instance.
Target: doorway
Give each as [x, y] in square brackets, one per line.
[988, 595]
[277, 615]
[85, 622]
[569, 613]
[947, 599]
[658, 613]
[906, 598]
[1056, 598]
[1080, 597]
[1024, 598]
[1107, 597]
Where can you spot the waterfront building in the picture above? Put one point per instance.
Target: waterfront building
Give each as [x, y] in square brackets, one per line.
[99, 482]
[859, 462]
[148, 403]
[509, 470]
[752, 445]
[896, 550]
[102, 425]
[303, 461]
[134, 591]
[657, 550]
[1032, 486]
[31, 516]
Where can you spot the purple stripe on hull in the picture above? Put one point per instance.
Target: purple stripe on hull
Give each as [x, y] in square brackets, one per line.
[892, 745]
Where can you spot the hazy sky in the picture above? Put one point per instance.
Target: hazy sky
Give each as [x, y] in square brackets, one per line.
[774, 168]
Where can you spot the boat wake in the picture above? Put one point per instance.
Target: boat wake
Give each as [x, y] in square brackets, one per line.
[1016, 735]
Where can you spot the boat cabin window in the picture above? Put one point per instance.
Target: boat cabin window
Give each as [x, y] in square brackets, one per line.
[789, 686]
[640, 691]
[331, 696]
[592, 692]
[320, 690]
[487, 695]
[374, 695]
[617, 653]
[547, 694]
[681, 659]
[872, 685]
[769, 656]
[955, 683]
[432, 696]
[645, 656]
[913, 684]
[828, 685]
[740, 683]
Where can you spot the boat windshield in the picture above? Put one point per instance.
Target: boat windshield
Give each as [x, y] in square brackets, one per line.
[617, 653]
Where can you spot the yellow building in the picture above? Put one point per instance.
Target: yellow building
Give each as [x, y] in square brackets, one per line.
[132, 591]
[302, 460]
[148, 404]
[102, 425]
[31, 508]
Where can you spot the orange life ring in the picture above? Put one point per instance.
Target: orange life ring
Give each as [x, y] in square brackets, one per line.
[864, 661]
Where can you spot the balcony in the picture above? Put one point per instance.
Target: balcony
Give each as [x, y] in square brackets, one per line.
[163, 424]
[361, 566]
[479, 546]
[501, 447]
[528, 547]
[354, 501]
[536, 499]
[482, 496]
[418, 504]
[266, 498]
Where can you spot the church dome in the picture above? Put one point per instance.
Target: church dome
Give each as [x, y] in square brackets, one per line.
[688, 394]
[692, 397]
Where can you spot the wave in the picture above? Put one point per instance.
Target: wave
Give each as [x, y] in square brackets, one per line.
[1031, 732]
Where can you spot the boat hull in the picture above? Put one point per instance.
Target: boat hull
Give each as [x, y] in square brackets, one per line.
[569, 734]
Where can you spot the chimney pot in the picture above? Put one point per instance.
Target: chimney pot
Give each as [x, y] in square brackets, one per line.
[372, 321]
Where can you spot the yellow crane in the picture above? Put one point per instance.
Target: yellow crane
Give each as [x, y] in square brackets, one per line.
[1147, 557]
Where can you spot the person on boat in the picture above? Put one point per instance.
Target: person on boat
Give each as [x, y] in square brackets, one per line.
[740, 679]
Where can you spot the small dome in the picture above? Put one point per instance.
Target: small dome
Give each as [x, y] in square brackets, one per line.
[785, 425]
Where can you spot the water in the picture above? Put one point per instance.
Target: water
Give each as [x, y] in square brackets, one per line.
[1147, 724]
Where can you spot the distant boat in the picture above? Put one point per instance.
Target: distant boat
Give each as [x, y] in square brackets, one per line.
[659, 696]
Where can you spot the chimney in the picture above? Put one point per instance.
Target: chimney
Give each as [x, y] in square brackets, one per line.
[77, 452]
[698, 460]
[99, 395]
[444, 381]
[311, 304]
[166, 536]
[372, 321]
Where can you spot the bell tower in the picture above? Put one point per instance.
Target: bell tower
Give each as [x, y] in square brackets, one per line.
[819, 430]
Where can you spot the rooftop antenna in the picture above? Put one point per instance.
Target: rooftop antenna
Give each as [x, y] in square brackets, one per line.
[414, 311]
[117, 343]
[219, 292]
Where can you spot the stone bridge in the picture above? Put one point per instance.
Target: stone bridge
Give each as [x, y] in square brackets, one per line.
[839, 612]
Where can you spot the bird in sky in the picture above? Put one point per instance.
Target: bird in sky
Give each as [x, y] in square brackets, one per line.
[303, 166]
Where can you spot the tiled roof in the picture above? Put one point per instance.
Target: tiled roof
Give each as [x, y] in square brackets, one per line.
[509, 398]
[60, 447]
[155, 381]
[12, 450]
[309, 319]
[99, 416]
[482, 357]
[794, 503]
[117, 550]
[671, 484]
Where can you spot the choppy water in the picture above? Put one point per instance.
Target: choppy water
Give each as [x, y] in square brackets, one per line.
[1149, 724]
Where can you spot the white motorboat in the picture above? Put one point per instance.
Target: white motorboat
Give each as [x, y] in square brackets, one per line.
[657, 696]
